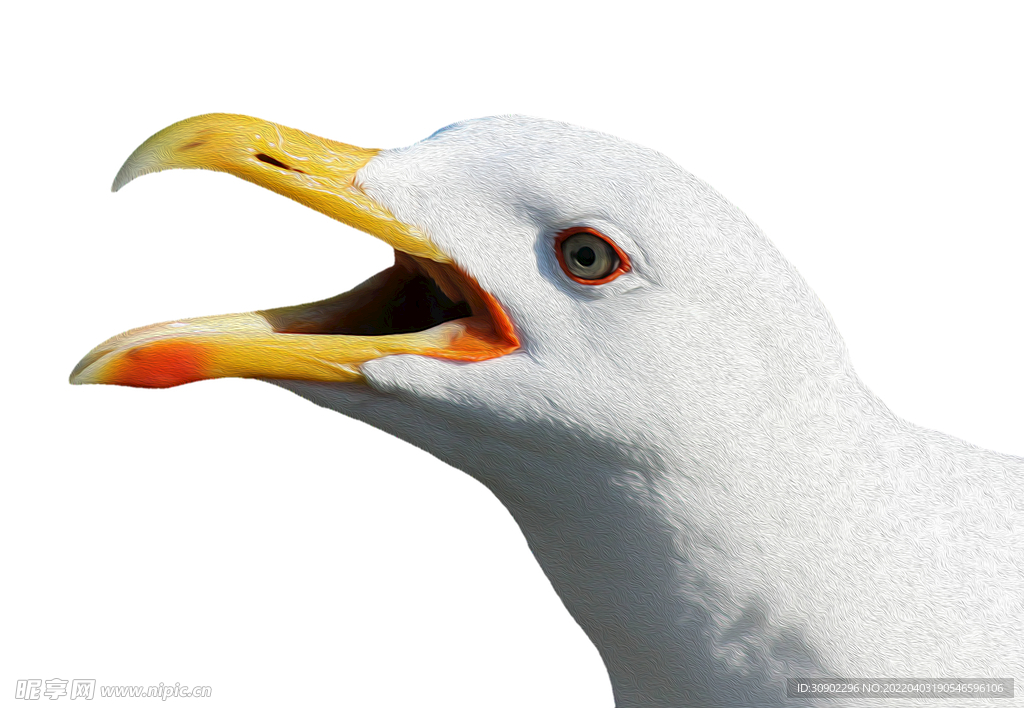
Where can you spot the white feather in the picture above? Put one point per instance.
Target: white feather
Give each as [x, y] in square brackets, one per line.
[715, 495]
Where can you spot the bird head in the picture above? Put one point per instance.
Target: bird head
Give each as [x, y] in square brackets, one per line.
[586, 328]
[549, 281]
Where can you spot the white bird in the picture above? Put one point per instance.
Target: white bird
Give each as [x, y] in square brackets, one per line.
[648, 386]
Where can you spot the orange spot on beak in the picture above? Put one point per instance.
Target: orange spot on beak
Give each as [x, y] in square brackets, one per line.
[161, 365]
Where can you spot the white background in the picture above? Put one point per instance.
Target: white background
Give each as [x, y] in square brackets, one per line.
[230, 534]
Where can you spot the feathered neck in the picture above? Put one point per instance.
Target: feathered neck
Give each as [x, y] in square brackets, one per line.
[678, 559]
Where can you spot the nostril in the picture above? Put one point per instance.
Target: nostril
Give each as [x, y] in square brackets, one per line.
[276, 163]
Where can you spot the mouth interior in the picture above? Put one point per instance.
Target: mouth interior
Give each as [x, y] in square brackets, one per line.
[417, 306]
[413, 295]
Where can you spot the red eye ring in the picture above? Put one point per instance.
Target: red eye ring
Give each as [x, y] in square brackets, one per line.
[623, 266]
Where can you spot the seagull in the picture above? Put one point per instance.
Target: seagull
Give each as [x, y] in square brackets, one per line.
[652, 391]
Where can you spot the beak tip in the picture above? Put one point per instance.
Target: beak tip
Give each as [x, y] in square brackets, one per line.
[125, 175]
[77, 377]
[85, 371]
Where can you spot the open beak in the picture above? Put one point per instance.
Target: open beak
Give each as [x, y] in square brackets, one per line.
[424, 304]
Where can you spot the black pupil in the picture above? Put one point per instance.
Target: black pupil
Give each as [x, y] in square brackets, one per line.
[586, 256]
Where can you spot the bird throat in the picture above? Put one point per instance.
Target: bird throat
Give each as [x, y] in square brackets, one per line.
[651, 588]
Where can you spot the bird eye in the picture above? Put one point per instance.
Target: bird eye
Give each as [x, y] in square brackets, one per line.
[589, 257]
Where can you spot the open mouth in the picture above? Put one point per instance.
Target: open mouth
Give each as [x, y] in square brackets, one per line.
[416, 297]
[424, 304]
[413, 295]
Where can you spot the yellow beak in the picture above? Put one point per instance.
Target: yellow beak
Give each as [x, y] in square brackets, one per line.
[324, 341]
